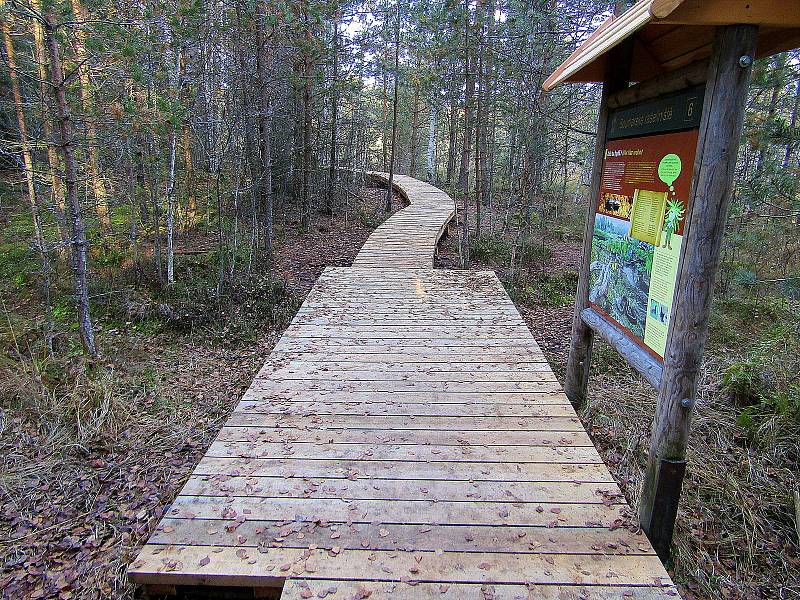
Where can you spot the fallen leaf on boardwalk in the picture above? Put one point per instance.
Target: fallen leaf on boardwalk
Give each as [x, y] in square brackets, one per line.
[383, 532]
[204, 561]
[306, 593]
[173, 565]
[443, 588]
[361, 593]
[555, 510]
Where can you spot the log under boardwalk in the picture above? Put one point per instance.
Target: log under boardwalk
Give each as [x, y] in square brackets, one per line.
[406, 439]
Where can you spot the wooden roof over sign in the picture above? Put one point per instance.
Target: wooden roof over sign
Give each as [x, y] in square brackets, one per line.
[670, 34]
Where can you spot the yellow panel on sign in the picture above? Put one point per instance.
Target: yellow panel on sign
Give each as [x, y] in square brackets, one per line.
[647, 216]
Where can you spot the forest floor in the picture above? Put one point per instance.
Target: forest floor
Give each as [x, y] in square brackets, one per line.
[90, 458]
[736, 535]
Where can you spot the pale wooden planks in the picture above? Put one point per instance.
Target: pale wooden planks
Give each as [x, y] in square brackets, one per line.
[406, 438]
[408, 238]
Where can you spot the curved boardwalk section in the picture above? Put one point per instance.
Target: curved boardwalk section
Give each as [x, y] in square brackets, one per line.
[406, 439]
[407, 239]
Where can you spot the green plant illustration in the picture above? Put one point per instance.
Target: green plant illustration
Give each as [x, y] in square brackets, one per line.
[672, 219]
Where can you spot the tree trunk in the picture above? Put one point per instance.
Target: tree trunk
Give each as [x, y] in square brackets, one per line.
[485, 103]
[263, 60]
[173, 143]
[54, 167]
[479, 124]
[790, 144]
[188, 165]
[308, 70]
[772, 108]
[333, 167]
[390, 189]
[414, 131]
[87, 99]
[385, 124]
[452, 133]
[432, 146]
[463, 176]
[79, 245]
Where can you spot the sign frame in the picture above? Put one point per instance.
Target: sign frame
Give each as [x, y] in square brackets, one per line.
[726, 76]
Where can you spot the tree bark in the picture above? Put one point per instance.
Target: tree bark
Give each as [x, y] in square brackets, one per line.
[308, 71]
[385, 123]
[333, 167]
[57, 186]
[452, 133]
[78, 242]
[87, 99]
[414, 130]
[390, 188]
[432, 145]
[263, 60]
[463, 176]
[173, 143]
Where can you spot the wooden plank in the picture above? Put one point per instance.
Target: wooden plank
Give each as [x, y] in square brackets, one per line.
[232, 433]
[243, 567]
[396, 409]
[564, 492]
[410, 470]
[428, 423]
[299, 450]
[410, 396]
[447, 538]
[336, 589]
[420, 512]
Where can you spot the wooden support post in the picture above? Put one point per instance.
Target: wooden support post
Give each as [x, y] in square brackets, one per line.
[723, 111]
[576, 380]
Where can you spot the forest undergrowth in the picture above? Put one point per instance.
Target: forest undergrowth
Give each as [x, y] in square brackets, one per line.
[737, 534]
[92, 453]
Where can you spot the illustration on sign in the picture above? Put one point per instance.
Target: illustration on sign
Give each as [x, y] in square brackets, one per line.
[643, 202]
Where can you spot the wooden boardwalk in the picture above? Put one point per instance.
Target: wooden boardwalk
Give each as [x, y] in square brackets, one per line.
[406, 439]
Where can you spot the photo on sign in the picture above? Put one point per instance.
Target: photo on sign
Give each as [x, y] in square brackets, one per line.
[659, 312]
[616, 205]
[619, 273]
